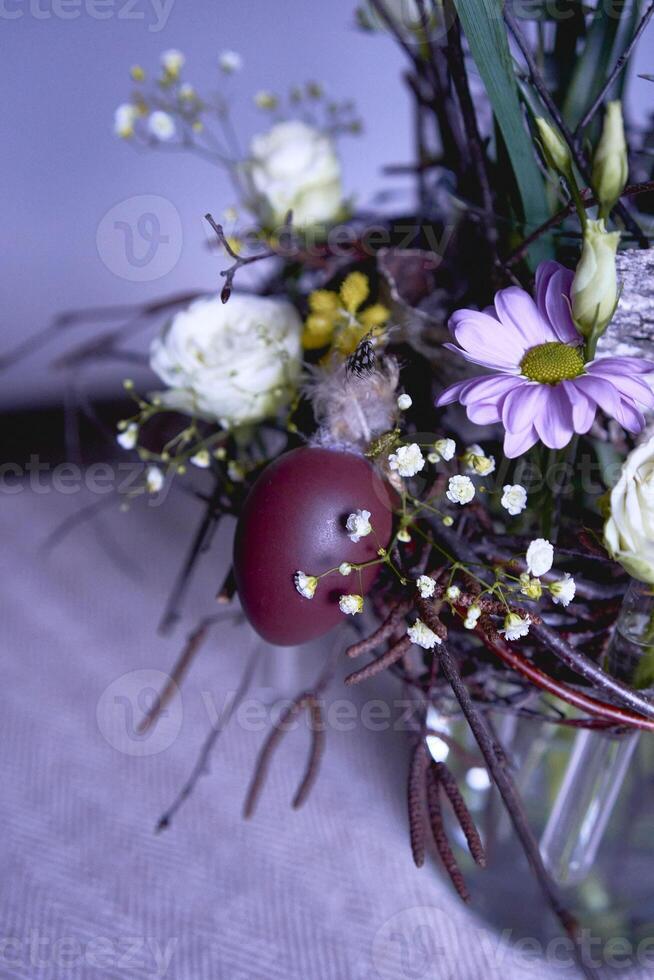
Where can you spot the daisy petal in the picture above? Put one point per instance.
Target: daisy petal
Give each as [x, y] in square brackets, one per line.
[482, 361]
[583, 409]
[611, 402]
[517, 443]
[522, 405]
[521, 319]
[554, 421]
[622, 365]
[634, 388]
[480, 337]
[553, 286]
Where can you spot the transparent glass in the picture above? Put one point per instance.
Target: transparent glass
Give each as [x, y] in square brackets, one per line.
[590, 801]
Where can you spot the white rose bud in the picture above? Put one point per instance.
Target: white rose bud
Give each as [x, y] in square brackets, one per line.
[610, 163]
[595, 287]
[629, 531]
[236, 363]
[294, 167]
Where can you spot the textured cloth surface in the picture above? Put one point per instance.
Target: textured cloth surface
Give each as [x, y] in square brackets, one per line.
[87, 889]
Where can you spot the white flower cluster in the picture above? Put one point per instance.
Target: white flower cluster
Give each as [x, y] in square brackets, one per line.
[407, 460]
[422, 636]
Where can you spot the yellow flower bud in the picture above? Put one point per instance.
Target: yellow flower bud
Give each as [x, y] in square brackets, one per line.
[354, 291]
[610, 165]
[595, 287]
[555, 150]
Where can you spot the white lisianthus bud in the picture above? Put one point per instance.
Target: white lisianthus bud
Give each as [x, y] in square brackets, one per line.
[293, 167]
[540, 556]
[610, 163]
[555, 150]
[595, 287]
[351, 604]
[460, 490]
[563, 591]
[515, 626]
[422, 636]
[426, 586]
[161, 125]
[629, 531]
[514, 499]
[358, 525]
[235, 363]
[305, 584]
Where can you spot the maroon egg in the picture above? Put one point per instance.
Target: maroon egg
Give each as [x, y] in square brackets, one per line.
[294, 519]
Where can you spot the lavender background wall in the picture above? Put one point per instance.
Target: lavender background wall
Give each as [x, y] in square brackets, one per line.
[64, 70]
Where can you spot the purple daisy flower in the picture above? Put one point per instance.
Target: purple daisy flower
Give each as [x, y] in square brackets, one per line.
[542, 387]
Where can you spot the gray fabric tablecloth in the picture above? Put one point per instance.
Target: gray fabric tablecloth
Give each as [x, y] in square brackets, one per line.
[88, 889]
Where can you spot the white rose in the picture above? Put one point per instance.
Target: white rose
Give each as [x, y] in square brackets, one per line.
[629, 531]
[235, 362]
[294, 167]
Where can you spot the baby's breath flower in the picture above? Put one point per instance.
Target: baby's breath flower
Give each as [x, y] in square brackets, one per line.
[124, 118]
[426, 586]
[154, 479]
[358, 525]
[172, 62]
[351, 604]
[514, 499]
[448, 521]
[161, 125]
[540, 555]
[235, 471]
[477, 461]
[444, 449]
[531, 587]
[187, 92]
[128, 437]
[460, 490]
[473, 614]
[453, 593]
[515, 626]
[407, 460]
[229, 62]
[422, 636]
[220, 453]
[403, 535]
[137, 73]
[345, 568]
[563, 591]
[404, 402]
[266, 100]
[305, 584]
[202, 459]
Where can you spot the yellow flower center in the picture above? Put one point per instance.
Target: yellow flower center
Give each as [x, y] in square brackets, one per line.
[552, 362]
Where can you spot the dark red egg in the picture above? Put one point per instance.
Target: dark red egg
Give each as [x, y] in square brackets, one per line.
[294, 520]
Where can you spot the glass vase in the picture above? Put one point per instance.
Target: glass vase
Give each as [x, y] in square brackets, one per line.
[590, 801]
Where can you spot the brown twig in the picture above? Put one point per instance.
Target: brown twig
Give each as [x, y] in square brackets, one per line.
[239, 260]
[385, 631]
[493, 755]
[613, 74]
[387, 659]
[317, 725]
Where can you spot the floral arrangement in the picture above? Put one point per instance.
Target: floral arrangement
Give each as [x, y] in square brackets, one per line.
[403, 458]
